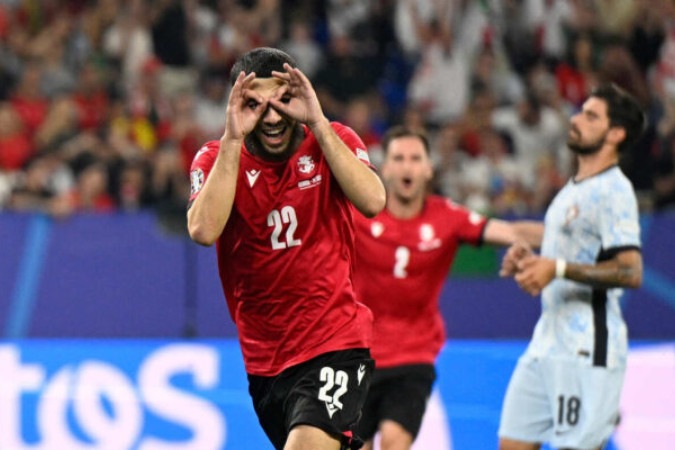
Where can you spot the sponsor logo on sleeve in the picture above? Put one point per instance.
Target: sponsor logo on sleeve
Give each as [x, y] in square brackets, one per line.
[362, 155]
[196, 181]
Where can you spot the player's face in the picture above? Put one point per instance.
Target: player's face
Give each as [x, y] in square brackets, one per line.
[274, 131]
[589, 128]
[407, 168]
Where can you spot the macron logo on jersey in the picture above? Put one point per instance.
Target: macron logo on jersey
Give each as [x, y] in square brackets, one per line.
[252, 176]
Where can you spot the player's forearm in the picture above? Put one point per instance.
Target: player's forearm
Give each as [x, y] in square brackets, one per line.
[529, 231]
[359, 183]
[608, 274]
[211, 210]
[502, 232]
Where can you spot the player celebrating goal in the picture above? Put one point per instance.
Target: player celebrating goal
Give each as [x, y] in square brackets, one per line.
[277, 195]
[404, 255]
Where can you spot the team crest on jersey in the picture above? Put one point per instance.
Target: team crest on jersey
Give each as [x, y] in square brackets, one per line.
[306, 164]
[196, 181]
[428, 239]
[571, 214]
[376, 229]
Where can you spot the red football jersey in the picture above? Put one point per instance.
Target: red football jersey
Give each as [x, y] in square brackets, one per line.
[400, 269]
[286, 255]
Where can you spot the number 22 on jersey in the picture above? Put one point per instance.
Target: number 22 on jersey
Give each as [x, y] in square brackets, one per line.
[280, 219]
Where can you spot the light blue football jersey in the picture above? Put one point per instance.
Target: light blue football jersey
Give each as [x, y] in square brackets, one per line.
[587, 222]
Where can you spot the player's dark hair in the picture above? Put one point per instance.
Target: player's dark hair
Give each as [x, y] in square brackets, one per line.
[262, 61]
[399, 131]
[623, 111]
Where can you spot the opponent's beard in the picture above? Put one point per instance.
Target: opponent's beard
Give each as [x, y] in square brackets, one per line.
[586, 149]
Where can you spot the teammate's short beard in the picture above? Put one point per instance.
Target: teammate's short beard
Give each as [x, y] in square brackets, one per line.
[587, 149]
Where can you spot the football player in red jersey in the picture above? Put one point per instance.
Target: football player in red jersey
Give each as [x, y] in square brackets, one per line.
[403, 258]
[277, 195]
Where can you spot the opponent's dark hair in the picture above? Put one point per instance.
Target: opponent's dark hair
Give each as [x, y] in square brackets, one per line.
[262, 61]
[398, 131]
[623, 111]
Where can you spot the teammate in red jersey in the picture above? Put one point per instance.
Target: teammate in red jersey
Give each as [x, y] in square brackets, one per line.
[403, 258]
[277, 195]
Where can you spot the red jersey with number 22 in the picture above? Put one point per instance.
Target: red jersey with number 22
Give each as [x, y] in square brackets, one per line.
[401, 266]
[286, 254]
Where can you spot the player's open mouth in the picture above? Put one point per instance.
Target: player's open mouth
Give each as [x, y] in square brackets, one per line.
[407, 182]
[274, 137]
[274, 133]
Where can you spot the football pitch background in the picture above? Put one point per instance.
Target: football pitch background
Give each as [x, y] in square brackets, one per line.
[116, 336]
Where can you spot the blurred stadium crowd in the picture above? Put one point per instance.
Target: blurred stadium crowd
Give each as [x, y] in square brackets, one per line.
[103, 103]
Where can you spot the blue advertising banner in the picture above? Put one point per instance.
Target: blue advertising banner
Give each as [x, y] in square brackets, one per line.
[125, 276]
[192, 395]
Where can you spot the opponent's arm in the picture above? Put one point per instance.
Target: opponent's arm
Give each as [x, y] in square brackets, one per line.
[359, 183]
[211, 210]
[623, 270]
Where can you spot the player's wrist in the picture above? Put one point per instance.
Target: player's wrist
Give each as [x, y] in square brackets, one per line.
[560, 268]
[231, 139]
[321, 124]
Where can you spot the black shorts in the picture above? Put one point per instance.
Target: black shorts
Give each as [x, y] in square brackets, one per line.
[399, 394]
[326, 392]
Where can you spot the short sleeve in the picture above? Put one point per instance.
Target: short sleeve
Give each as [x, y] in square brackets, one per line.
[619, 216]
[354, 142]
[201, 167]
[469, 224]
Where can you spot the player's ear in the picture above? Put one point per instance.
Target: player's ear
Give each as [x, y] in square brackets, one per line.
[616, 135]
[429, 171]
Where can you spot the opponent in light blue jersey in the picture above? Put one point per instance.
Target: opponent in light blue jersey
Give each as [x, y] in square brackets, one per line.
[566, 388]
[587, 222]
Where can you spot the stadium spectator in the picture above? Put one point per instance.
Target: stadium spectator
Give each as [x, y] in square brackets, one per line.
[171, 30]
[15, 146]
[27, 97]
[91, 96]
[303, 47]
[448, 159]
[576, 74]
[342, 76]
[90, 193]
[43, 187]
[536, 132]
[93, 51]
[211, 101]
[443, 63]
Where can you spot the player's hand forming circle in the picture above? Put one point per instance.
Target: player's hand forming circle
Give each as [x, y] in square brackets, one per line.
[244, 108]
[303, 104]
